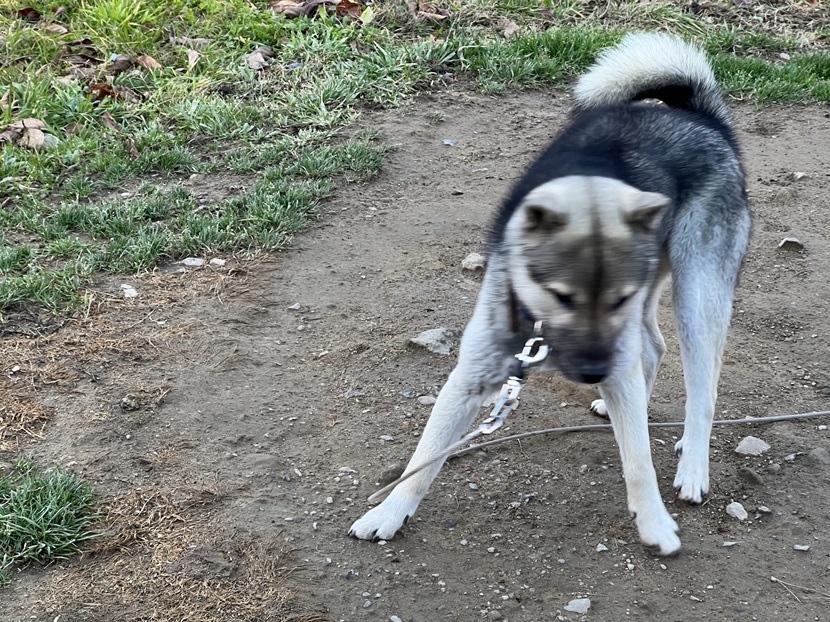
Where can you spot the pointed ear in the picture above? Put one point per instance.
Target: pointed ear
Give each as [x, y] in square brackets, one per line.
[645, 211]
[543, 219]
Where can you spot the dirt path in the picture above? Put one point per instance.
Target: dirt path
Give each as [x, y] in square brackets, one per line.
[278, 412]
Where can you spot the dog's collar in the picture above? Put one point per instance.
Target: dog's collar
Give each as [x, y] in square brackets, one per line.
[518, 313]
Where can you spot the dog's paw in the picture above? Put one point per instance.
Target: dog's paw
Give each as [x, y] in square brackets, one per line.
[658, 531]
[692, 479]
[598, 408]
[381, 522]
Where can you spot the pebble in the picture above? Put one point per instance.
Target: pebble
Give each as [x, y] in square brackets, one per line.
[426, 400]
[367, 603]
[354, 393]
[751, 446]
[784, 56]
[801, 547]
[819, 455]
[789, 458]
[737, 510]
[129, 291]
[494, 614]
[394, 619]
[192, 262]
[408, 393]
[387, 437]
[295, 307]
[450, 142]
[473, 262]
[437, 340]
[218, 263]
[799, 175]
[601, 547]
[764, 509]
[791, 244]
[774, 467]
[473, 486]
[390, 474]
[579, 605]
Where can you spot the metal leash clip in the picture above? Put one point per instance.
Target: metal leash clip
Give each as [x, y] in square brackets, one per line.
[535, 349]
[507, 402]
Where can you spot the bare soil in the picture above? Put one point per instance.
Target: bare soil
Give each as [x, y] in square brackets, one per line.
[234, 437]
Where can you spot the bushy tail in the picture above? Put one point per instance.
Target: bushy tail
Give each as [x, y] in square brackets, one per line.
[651, 65]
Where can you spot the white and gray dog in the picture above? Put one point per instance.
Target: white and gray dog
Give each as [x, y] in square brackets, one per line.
[630, 193]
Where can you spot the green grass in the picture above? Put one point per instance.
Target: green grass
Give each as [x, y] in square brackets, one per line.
[44, 516]
[279, 129]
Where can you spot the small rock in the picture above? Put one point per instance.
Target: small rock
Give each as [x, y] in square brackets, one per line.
[295, 307]
[192, 262]
[791, 244]
[367, 603]
[394, 619]
[130, 402]
[736, 510]
[784, 56]
[449, 522]
[437, 340]
[129, 291]
[218, 263]
[750, 476]
[773, 467]
[473, 486]
[426, 400]
[579, 605]
[450, 142]
[50, 141]
[801, 547]
[354, 393]
[799, 175]
[408, 393]
[764, 509]
[473, 262]
[494, 614]
[819, 455]
[790, 458]
[729, 543]
[601, 547]
[387, 437]
[751, 446]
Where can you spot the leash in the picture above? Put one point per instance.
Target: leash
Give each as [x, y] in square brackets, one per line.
[535, 351]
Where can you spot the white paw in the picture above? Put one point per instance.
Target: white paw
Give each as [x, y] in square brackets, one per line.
[658, 529]
[598, 407]
[692, 479]
[384, 521]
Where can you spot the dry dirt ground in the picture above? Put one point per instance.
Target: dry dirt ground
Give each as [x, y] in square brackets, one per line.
[235, 436]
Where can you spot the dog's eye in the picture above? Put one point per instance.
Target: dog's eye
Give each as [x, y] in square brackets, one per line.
[566, 300]
[619, 304]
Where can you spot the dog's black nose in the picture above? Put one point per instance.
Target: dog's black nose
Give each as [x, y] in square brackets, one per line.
[593, 373]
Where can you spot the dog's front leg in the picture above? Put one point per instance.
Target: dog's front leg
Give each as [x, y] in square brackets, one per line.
[626, 397]
[481, 370]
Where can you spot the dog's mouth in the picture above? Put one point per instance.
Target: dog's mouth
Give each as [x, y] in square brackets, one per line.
[582, 368]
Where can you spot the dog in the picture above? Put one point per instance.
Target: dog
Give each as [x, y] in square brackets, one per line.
[630, 193]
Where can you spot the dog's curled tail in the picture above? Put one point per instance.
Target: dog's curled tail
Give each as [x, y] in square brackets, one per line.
[652, 65]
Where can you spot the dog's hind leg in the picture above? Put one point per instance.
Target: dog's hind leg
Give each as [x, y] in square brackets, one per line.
[627, 399]
[482, 368]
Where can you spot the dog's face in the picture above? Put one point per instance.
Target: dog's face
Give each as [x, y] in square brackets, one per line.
[582, 254]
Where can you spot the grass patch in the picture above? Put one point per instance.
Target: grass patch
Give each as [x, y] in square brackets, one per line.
[44, 516]
[136, 93]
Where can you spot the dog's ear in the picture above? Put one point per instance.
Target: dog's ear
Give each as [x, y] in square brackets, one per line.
[645, 211]
[543, 219]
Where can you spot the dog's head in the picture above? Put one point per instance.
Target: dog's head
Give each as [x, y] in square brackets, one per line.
[583, 251]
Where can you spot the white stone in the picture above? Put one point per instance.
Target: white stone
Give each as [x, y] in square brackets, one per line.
[192, 262]
[426, 400]
[473, 262]
[736, 510]
[601, 547]
[129, 291]
[801, 547]
[751, 446]
[217, 263]
[579, 605]
[437, 340]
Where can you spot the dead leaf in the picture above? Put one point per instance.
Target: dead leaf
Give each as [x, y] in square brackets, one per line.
[59, 11]
[4, 101]
[148, 62]
[196, 43]
[511, 29]
[57, 29]
[73, 128]
[256, 61]
[122, 63]
[428, 10]
[101, 91]
[32, 138]
[348, 8]
[289, 8]
[28, 124]
[192, 59]
[10, 135]
[29, 14]
[110, 121]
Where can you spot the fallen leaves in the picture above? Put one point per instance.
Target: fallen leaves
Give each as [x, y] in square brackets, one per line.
[342, 8]
[511, 29]
[29, 14]
[148, 62]
[258, 59]
[192, 59]
[27, 133]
